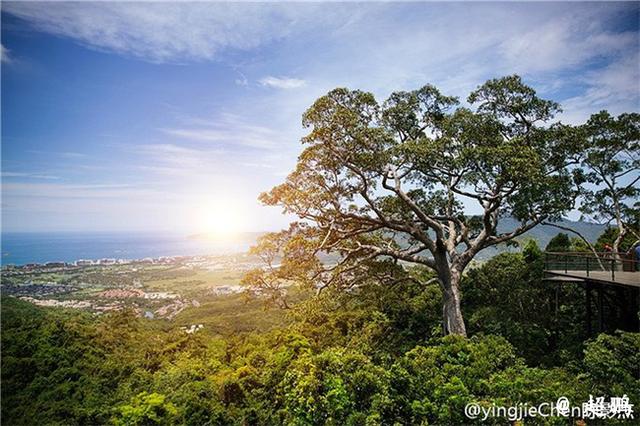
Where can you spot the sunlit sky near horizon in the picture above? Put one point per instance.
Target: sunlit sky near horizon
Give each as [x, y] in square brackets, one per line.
[175, 116]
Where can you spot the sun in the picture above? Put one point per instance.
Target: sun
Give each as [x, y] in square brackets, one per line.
[220, 217]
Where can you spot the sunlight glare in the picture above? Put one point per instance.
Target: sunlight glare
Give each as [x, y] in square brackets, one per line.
[220, 217]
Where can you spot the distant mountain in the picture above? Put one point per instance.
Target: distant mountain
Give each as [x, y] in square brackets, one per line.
[543, 233]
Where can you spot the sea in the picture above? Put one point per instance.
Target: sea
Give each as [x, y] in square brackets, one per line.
[22, 248]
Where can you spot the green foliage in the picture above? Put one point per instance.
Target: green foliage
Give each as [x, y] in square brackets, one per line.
[377, 319]
[146, 409]
[559, 243]
[507, 296]
[578, 245]
[333, 387]
[441, 379]
[612, 363]
[610, 235]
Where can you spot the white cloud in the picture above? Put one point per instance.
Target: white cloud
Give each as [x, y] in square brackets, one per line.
[28, 175]
[258, 165]
[165, 31]
[227, 130]
[564, 42]
[42, 190]
[4, 55]
[175, 160]
[375, 46]
[615, 87]
[282, 82]
[242, 80]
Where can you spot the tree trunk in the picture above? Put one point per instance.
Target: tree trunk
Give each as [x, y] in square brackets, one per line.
[622, 232]
[452, 320]
[616, 248]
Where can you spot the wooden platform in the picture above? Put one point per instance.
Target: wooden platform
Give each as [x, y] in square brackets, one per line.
[621, 278]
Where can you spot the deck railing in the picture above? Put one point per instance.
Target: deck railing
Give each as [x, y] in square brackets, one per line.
[588, 262]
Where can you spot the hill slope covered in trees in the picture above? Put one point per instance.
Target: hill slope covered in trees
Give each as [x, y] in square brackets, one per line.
[373, 356]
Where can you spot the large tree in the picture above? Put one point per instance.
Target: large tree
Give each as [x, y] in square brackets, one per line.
[379, 186]
[612, 166]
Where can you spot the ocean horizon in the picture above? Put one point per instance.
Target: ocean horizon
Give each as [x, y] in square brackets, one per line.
[19, 248]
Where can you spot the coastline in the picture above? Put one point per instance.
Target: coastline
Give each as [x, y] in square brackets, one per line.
[20, 249]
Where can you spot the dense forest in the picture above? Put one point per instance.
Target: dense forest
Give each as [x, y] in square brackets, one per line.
[372, 356]
[391, 316]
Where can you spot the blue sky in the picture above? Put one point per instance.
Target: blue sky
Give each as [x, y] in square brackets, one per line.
[163, 116]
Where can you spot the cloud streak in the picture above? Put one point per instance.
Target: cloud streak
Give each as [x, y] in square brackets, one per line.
[282, 82]
[226, 131]
[42, 190]
[165, 31]
[29, 175]
[615, 88]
